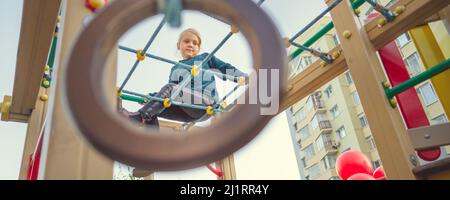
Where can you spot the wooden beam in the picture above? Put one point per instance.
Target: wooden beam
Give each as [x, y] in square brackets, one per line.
[386, 124]
[417, 11]
[314, 77]
[65, 154]
[431, 136]
[445, 16]
[34, 129]
[38, 26]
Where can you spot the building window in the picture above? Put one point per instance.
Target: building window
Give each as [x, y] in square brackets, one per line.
[308, 60]
[329, 162]
[413, 64]
[428, 95]
[319, 144]
[316, 120]
[309, 104]
[324, 163]
[356, 99]
[309, 152]
[304, 162]
[369, 11]
[441, 119]
[363, 120]
[334, 178]
[314, 171]
[371, 143]
[341, 133]
[336, 40]
[304, 132]
[403, 40]
[348, 77]
[296, 126]
[300, 114]
[335, 111]
[329, 91]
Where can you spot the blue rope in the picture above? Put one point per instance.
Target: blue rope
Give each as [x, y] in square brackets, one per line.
[179, 63]
[174, 103]
[147, 46]
[217, 48]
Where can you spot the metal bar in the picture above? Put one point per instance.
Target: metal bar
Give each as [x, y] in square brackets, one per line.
[434, 71]
[324, 56]
[315, 20]
[382, 10]
[430, 137]
[356, 4]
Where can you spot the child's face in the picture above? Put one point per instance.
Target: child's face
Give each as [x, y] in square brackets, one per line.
[189, 45]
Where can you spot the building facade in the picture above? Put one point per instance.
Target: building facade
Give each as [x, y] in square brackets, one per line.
[331, 120]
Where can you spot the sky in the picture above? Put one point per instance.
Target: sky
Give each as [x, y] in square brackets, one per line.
[269, 156]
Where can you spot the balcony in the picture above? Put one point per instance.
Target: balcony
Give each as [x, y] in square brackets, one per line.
[325, 126]
[331, 147]
[319, 107]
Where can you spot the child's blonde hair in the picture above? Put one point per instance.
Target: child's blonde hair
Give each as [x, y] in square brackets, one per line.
[193, 31]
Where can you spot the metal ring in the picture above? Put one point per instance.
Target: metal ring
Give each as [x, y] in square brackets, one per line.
[165, 150]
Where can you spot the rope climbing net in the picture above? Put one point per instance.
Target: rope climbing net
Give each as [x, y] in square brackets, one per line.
[194, 71]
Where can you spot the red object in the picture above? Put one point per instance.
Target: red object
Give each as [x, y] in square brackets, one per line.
[408, 101]
[91, 7]
[378, 173]
[34, 162]
[361, 177]
[353, 162]
[215, 171]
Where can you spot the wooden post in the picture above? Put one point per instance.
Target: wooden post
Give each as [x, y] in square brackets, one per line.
[228, 168]
[35, 123]
[386, 124]
[65, 154]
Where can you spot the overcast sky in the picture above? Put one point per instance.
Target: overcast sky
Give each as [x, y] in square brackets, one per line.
[269, 156]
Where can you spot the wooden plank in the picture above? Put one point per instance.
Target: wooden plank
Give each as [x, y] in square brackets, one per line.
[311, 79]
[65, 154]
[416, 12]
[430, 136]
[228, 170]
[438, 170]
[36, 34]
[445, 16]
[388, 130]
[33, 131]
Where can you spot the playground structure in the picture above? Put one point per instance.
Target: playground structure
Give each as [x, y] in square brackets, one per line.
[60, 153]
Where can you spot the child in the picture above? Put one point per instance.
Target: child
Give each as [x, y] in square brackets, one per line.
[198, 90]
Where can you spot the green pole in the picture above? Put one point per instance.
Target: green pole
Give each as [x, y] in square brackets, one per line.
[355, 4]
[132, 98]
[430, 73]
